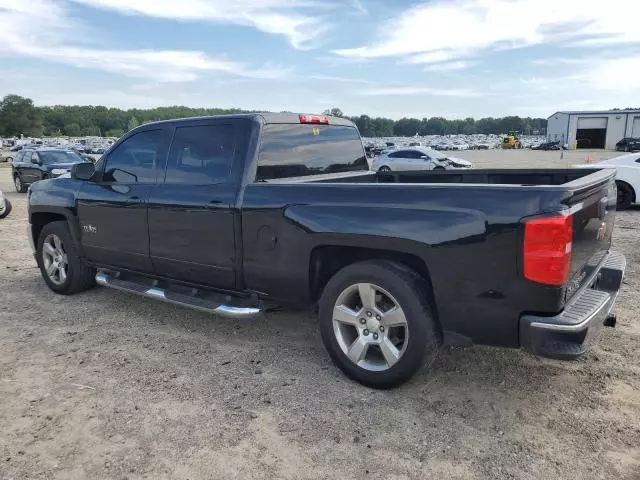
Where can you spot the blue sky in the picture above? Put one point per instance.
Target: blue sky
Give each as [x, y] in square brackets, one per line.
[394, 58]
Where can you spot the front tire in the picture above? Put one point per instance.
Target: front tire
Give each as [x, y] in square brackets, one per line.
[625, 195]
[377, 323]
[19, 184]
[6, 209]
[61, 267]
[384, 169]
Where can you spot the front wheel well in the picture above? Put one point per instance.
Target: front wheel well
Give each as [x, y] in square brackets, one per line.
[633, 192]
[40, 219]
[327, 260]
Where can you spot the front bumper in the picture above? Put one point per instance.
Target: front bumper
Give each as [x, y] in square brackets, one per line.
[568, 334]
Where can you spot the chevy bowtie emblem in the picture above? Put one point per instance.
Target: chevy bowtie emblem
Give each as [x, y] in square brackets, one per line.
[602, 231]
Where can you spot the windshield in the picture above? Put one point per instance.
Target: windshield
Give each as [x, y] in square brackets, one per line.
[52, 158]
[434, 154]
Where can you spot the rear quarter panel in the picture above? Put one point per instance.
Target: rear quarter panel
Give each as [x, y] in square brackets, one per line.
[469, 237]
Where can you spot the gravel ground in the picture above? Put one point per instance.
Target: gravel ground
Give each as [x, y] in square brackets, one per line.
[109, 385]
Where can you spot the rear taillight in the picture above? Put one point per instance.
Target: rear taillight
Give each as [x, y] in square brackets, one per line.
[547, 249]
[313, 119]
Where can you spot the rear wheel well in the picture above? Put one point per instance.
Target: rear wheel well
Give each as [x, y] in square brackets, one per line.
[327, 260]
[40, 219]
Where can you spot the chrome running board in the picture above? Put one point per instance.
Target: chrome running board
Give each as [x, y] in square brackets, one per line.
[194, 300]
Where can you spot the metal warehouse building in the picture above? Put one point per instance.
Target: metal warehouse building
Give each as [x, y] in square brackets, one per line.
[593, 129]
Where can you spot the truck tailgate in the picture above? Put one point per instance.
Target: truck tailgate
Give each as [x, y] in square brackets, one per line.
[594, 207]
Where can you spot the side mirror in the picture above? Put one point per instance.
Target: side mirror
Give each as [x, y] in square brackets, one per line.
[83, 171]
[36, 162]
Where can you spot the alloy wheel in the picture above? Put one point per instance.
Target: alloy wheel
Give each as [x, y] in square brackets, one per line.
[55, 259]
[370, 326]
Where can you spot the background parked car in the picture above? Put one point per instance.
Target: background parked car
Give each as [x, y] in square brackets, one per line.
[417, 158]
[627, 177]
[628, 145]
[31, 165]
[547, 146]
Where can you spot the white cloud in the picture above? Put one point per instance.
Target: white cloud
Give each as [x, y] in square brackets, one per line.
[359, 7]
[282, 17]
[450, 66]
[45, 31]
[433, 57]
[392, 90]
[621, 75]
[332, 78]
[448, 29]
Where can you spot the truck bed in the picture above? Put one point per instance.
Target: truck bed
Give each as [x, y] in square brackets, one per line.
[524, 177]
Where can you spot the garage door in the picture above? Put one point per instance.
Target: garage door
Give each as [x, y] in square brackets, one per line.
[591, 132]
[591, 123]
[635, 133]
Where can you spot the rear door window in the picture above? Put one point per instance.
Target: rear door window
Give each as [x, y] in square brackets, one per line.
[299, 150]
[201, 155]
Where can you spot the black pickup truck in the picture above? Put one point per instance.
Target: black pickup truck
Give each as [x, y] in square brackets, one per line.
[228, 214]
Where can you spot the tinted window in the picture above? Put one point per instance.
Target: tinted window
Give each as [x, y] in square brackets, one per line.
[135, 159]
[18, 157]
[53, 157]
[404, 154]
[298, 150]
[201, 155]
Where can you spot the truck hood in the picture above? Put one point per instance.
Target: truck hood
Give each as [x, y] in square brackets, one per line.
[628, 159]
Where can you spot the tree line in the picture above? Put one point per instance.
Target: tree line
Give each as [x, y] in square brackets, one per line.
[407, 127]
[19, 116]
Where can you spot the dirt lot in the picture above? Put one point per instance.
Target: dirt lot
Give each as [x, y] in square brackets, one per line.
[109, 385]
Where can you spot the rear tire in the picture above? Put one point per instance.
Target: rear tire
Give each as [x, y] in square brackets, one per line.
[56, 252]
[19, 184]
[384, 169]
[626, 195]
[397, 352]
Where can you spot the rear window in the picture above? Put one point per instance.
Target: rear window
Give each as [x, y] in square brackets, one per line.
[299, 150]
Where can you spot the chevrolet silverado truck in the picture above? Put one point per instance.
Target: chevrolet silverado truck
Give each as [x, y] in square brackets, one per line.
[229, 214]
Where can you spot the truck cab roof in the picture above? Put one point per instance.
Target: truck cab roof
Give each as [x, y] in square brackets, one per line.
[262, 117]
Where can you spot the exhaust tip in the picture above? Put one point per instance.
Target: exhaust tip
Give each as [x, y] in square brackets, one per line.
[610, 321]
